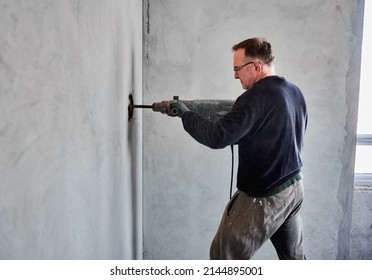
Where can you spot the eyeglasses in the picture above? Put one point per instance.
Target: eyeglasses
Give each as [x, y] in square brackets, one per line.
[237, 68]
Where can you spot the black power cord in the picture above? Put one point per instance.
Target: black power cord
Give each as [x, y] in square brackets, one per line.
[232, 169]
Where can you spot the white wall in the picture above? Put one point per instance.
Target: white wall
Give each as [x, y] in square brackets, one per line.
[361, 230]
[188, 53]
[70, 161]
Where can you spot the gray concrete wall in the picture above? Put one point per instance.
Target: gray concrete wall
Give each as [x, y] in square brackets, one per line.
[361, 230]
[187, 52]
[70, 162]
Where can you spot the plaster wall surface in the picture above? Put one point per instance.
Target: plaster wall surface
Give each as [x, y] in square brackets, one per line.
[361, 231]
[70, 161]
[187, 52]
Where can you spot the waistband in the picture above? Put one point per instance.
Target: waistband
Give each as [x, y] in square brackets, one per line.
[280, 188]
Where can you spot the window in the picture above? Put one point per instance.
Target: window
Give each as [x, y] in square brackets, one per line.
[363, 158]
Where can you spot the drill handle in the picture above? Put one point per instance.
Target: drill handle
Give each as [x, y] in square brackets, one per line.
[210, 109]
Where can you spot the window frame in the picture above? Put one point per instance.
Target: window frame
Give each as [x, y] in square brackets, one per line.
[363, 179]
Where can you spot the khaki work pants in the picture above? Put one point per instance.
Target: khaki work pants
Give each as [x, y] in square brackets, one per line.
[248, 222]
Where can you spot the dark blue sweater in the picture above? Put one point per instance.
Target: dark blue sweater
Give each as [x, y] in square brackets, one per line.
[268, 122]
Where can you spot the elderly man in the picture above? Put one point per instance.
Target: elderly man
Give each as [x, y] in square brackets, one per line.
[268, 122]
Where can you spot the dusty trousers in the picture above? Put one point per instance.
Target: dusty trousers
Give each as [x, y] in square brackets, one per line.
[248, 222]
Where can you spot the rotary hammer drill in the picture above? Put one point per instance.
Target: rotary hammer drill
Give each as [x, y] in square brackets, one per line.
[210, 109]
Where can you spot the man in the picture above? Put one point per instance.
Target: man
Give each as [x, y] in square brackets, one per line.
[268, 122]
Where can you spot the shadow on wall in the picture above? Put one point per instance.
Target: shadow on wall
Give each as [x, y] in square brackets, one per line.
[134, 138]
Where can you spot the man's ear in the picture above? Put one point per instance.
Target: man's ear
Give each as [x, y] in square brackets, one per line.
[258, 67]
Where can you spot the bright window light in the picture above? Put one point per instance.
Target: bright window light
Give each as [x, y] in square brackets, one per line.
[363, 160]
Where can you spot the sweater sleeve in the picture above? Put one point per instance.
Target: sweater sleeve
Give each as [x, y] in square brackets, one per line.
[222, 132]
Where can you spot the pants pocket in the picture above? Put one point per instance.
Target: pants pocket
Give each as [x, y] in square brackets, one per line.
[231, 203]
